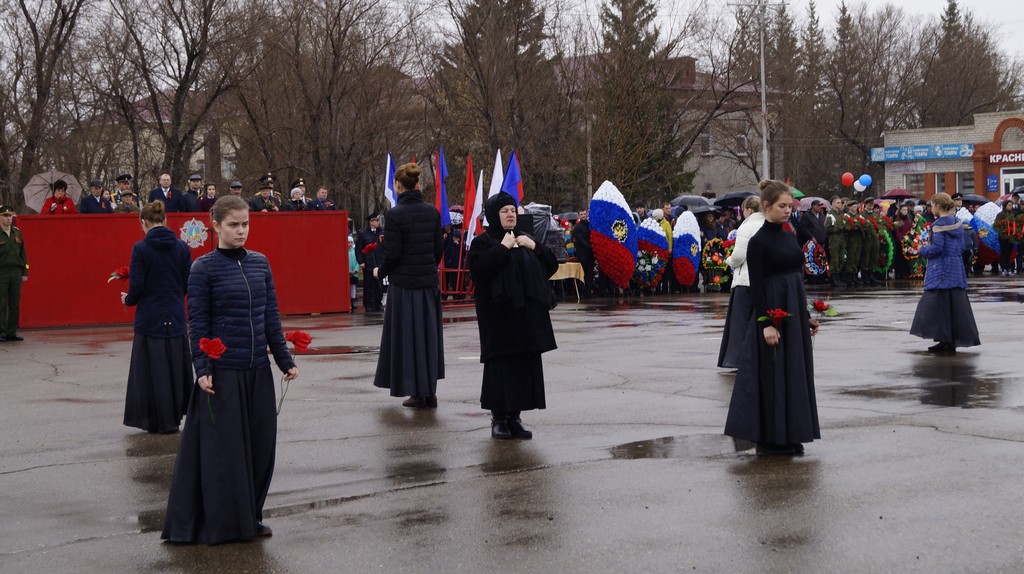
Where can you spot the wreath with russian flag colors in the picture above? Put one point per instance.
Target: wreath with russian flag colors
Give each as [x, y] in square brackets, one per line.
[652, 254]
[686, 249]
[613, 234]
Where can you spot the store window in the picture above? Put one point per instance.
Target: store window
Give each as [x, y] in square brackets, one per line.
[965, 182]
[914, 182]
[940, 183]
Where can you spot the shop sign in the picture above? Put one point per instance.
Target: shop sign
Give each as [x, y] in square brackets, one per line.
[922, 152]
[1009, 157]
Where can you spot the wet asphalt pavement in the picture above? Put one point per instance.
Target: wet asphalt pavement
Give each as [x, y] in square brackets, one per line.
[919, 467]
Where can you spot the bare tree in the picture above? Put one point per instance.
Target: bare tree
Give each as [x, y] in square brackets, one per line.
[39, 35]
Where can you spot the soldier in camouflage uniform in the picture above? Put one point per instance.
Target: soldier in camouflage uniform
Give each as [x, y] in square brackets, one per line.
[854, 245]
[836, 241]
[869, 251]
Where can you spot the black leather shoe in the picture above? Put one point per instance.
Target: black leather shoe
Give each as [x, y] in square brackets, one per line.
[499, 429]
[942, 349]
[431, 402]
[13, 338]
[415, 403]
[263, 530]
[515, 426]
[798, 449]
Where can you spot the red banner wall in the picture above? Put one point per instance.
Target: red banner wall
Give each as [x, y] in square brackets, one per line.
[72, 256]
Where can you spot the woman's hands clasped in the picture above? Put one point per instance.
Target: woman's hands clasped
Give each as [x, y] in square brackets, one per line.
[509, 241]
[772, 336]
[526, 242]
[814, 326]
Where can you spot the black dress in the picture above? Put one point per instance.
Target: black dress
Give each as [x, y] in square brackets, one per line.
[411, 344]
[160, 373]
[226, 458]
[773, 399]
[513, 303]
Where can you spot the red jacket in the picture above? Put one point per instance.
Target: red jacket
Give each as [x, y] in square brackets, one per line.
[51, 207]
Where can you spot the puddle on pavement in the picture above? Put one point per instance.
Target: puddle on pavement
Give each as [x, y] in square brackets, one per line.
[694, 446]
[948, 382]
[74, 401]
[338, 350]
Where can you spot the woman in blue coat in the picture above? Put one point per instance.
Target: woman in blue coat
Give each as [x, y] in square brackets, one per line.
[944, 313]
[160, 372]
[226, 458]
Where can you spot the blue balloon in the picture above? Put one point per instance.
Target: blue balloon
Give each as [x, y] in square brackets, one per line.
[865, 180]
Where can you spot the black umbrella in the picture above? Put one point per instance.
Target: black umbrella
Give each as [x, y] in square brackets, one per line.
[733, 198]
[975, 198]
[690, 201]
[704, 209]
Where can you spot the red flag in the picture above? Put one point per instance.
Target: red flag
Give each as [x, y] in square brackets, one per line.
[467, 206]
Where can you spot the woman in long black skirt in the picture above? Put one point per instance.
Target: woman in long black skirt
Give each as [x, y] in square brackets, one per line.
[226, 458]
[160, 373]
[738, 315]
[411, 356]
[773, 400]
[944, 313]
[513, 299]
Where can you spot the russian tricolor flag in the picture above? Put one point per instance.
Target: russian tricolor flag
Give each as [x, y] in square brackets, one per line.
[389, 182]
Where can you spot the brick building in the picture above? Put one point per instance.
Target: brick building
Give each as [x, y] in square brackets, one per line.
[986, 158]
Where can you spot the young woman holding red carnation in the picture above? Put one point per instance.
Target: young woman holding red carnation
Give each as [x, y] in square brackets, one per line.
[226, 458]
[773, 401]
[160, 373]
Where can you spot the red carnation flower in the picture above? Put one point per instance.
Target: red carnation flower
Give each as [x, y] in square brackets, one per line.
[300, 339]
[119, 273]
[213, 348]
[821, 306]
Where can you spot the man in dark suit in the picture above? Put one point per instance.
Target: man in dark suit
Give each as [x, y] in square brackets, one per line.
[321, 203]
[189, 201]
[166, 193]
[94, 202]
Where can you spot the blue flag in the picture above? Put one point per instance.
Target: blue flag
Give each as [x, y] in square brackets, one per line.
[513, 182]
[389, 182]
[440, 189]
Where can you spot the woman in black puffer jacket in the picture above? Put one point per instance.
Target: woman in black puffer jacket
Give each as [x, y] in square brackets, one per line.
[226, 458]
[411, 348]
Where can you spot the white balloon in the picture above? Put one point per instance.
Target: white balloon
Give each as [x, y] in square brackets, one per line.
[858, 186]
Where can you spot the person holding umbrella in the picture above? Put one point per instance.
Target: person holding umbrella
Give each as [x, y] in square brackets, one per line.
[58, 203]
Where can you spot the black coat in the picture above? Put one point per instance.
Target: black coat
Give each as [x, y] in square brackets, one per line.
[810, 227]
[93, 204]
[189, 202]
[503, 330]
[412, 243]
[170, 203]
[367, 236]
[157, 282]
[259, 204]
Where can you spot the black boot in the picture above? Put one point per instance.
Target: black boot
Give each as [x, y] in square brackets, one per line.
[517, 429]
[499, 427]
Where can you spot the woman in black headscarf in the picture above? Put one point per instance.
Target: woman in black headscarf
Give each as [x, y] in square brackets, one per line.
[513, 298]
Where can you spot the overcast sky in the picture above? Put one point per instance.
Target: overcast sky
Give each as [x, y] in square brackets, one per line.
[1007, 16]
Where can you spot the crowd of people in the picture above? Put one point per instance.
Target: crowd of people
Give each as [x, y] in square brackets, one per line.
[198, 197]
[849, 243]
